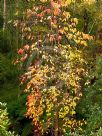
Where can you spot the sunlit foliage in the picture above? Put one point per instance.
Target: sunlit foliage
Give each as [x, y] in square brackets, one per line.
[54, 64]
[4, 121]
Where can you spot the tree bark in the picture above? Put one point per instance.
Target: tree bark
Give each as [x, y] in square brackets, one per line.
[4, 15]
[57, 124]
[86, 21]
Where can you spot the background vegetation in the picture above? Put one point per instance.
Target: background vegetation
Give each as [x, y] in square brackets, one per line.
[90, 105]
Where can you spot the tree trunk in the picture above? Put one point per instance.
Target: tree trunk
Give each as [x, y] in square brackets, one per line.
[37, 131]
[57, 124]
[86, 21]
[4, 15]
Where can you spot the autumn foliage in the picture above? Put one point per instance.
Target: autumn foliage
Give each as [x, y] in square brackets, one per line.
[54, 64]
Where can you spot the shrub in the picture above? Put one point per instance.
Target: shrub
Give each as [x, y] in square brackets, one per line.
[90, 106]
[4, 121]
